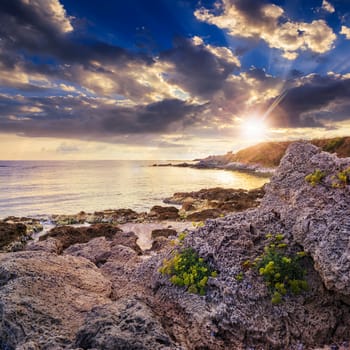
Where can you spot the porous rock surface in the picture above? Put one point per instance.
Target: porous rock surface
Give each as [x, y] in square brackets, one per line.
[44, 297]
[239, 314]
[126, 324]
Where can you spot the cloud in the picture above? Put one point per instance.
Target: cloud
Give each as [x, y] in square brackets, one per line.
[314, 101]
[198, 68]
[259, 20]
[92, 118]
[345, 31]
[327, 6]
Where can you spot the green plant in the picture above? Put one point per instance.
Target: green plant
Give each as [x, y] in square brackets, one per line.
[316, 177]
[333, 144]
[187, 269]
[341, 179]
[198, 224]
[281, 272]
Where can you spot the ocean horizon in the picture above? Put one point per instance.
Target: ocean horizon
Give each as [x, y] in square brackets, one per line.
[38, 188]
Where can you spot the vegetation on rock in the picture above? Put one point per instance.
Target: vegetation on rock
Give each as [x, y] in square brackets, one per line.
[282, 272]
[187, 269]
[315, 178]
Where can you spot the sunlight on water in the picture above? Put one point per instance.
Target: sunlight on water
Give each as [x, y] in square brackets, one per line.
[32, 188]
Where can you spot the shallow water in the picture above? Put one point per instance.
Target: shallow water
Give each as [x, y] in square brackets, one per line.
[67, 187]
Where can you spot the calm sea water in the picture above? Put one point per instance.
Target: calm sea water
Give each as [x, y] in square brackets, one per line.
[67, 187]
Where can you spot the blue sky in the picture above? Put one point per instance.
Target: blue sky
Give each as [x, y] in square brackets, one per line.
[169, 78]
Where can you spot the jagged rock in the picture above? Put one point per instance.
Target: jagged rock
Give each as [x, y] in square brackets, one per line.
[163, 232]
[69, 235]
[44, 298]
[317, 216]
[164, 213]
[12, 236]
[239, 314]
[125, 324]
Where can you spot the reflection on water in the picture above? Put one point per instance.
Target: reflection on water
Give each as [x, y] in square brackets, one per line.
[47, 187]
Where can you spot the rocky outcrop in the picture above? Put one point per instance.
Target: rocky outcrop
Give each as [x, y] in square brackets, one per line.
[215, 202]
[317, 216]
[125, 324]
[238, 312]
[69, 235]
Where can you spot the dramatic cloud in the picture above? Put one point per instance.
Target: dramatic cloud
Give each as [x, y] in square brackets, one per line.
[314, 101]
[91, 118]
[256, 19]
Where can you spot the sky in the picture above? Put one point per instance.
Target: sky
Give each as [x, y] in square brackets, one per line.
[169, 79]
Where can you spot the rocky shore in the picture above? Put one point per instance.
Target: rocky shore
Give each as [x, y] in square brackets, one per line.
[94, 287]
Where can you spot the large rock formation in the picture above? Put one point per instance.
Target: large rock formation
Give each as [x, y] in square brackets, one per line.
[238, 312]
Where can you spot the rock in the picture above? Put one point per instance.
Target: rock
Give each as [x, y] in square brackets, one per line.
[159, 244]
[114, 216]
[97, 250]
[238, 314]
[125, 324]
[164, 213]
[128, 239]
[32, 225]
[204, 214]
[12, 236]
[44, 298]
[317, 216]
[221, 200]
[68, 235]
[163, 232]
[50, 245]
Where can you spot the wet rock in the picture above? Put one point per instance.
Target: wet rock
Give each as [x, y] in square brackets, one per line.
[44, 298]
[114, 216]
[32, 225]
[163, 232]
[68, 235]
[125, 324]
[12, 236]
[164, 213]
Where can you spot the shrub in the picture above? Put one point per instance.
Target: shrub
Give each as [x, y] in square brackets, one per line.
[281, 272]
[316, 177]
[333, 144]
[186, 269]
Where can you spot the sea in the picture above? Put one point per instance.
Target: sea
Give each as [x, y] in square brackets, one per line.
[38, 188]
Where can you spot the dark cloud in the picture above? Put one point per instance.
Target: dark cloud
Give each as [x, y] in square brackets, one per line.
[84, 118]
[318, 100]
[198, 70]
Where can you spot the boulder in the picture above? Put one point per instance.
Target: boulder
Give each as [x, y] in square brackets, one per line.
[125, 324]
[164, 213]
[44, 298]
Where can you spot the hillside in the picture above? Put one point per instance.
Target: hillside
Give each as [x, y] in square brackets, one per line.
[269, 154]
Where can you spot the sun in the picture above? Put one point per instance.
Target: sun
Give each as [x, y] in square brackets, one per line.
[253, 128]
